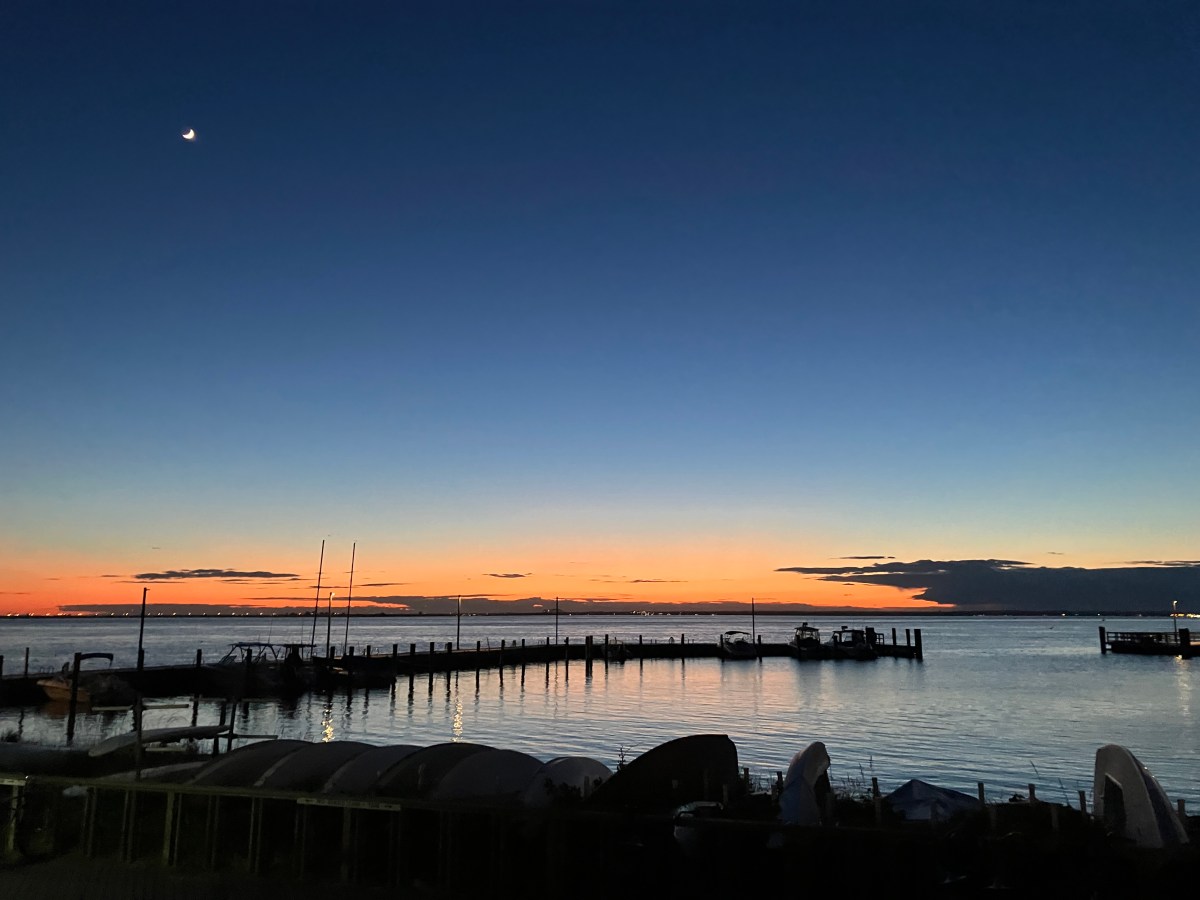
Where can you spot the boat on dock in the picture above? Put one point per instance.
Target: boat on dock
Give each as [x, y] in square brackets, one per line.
[738, 645]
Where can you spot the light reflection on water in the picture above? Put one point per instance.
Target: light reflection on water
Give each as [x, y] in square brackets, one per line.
[1003, 701]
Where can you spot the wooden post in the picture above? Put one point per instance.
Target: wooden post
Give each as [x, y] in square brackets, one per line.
[893, 637]
[982, 796]
[567, 650]
[1083, 802]
[920, 653]
[1185, 642]
[907, 637]
[587, 649]
[682, 641]
[1033, 793]
[503, 647]
[74, 697]
[1181, 809]
[395, 658]
[26, 672]
[758, 646]
[1103, 640]
[875, 787]
[2, 674]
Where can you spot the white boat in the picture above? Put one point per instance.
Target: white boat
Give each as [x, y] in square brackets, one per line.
[806, 789]
[738, 645]
[1131, 802]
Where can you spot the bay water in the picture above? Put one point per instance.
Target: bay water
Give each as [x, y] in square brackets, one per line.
[1007, 701]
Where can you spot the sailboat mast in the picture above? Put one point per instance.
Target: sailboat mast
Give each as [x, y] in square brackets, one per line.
[317, 602]
[349, 594]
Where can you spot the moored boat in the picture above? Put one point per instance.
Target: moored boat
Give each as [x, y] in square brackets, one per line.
[852, 643]
[805, 643]
[98, 688]
[738, 645]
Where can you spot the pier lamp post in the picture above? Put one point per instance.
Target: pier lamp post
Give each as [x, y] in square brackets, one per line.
[1175, 615]
[556, 620]
[458, 625]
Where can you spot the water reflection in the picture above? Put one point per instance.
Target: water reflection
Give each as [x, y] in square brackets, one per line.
[993, 699]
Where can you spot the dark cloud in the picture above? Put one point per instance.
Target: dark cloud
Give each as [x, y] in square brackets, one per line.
[224, 574]
[656, 581]
[385, 584]
[1161, 562]
[864, 557]
[1010, 585]
[508, 574]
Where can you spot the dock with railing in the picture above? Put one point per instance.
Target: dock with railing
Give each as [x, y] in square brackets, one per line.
[1178, 642]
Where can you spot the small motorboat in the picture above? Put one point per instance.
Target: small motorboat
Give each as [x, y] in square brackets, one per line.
[94, 688]
[738, 645]
[806, 642]
[852, 643]
[259, 669]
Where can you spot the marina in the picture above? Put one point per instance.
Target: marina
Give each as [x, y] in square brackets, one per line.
[1002, 700]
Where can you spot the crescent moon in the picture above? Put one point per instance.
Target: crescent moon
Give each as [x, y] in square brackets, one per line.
[189, 135]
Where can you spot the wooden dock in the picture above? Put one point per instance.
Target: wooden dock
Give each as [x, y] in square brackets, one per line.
[1150, 643]
[192, 678]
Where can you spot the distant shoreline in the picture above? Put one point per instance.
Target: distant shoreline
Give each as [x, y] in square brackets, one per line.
[841, 612]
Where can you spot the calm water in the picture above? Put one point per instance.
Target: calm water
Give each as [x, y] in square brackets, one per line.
[999, 700]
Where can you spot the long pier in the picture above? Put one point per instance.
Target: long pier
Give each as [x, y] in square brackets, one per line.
[193, 678]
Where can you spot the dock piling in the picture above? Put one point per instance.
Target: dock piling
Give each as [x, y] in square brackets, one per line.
[1103, 640]
[74, 697]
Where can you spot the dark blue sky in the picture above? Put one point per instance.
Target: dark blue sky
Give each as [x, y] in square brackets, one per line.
[914, 277]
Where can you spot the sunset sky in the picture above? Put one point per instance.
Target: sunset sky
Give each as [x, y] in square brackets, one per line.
[832, 303]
